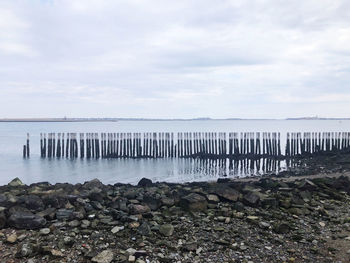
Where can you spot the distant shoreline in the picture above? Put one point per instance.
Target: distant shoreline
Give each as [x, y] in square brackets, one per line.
[150, 119]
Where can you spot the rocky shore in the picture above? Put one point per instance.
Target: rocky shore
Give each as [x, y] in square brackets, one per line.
[265, 220]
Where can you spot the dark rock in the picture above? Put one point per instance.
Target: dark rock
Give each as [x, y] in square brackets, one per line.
[251, 199]
[139, 209]
[153, 202]
[64, 214]
[95, 183]
[238, 206]
[3, 201]
[281, 228]
[2, 217]
[33, 202]
[144, 229]
[26, 220]
[269, 202]
[25, 250]
[144, 182]
[226, 192]
[194, 202]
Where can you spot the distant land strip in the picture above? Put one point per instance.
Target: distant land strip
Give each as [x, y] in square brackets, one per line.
[145, 119]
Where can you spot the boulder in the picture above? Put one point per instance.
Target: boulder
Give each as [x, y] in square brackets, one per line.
[144, 182]
[26, 220]
[16, 182]
[139, 209]
[251, 199]
[226, 193]
[194, 202]
[33, 202]
[64, 214]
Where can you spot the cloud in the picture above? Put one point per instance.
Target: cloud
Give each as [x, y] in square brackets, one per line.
[174, 58]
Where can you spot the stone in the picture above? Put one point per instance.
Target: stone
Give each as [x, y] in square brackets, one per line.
[33, 202]
[56, 253]
[44, 231]
[2, 218]
[64, 214]
[25, 250]
[166, 230]
[139, 209]
[152, 202]
[144, 229]
[281, 228]
[95, 183]
[213, 198]
[194, 202]
[251, 199]
[226, 193]
[16, 182]
[116, 229]
[131, 258]
[264, 225]
[106, 256]
[26, 220]
[145, 182]
[11, 238]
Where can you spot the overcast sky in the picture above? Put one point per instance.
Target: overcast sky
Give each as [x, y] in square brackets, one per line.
[174, 59]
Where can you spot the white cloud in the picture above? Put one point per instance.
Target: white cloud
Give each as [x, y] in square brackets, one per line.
[174, 58]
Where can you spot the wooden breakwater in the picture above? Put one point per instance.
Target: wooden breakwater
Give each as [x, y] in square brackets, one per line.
[190, 144]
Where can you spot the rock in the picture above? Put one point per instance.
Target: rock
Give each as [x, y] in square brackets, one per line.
[95, 183]
[144, 229]
[194, 202]
[167, 201]
[44, 231]
[106, 256]
[16, 182]
[264, 225]
[64, 214]
[281, 228]
[226, 193]
[139, 209]
[25, 250]
[33, 202]
[166, 230]
[251, 199]
[116, 229]
[322, 224]
[144, 182]
[56, 253]
[269, 202]
[2, 217]
[11, 238]
[131, 258]
[213, 198]
[26, 220]
[152, 202]
[68, 241]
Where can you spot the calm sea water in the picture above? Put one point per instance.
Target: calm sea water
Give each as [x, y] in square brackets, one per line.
[35, 169]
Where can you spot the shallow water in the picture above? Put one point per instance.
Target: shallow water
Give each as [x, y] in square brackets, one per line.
[34, 169]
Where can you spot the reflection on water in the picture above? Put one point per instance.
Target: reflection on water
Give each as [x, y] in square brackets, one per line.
[212, 169]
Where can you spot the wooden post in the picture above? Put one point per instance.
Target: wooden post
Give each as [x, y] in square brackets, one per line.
[24, 151]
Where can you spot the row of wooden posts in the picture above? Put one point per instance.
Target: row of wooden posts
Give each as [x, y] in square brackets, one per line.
[187, 144]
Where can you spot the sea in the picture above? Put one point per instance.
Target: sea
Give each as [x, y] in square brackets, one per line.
[127, 170]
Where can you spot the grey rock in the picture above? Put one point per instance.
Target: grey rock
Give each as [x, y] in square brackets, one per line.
[166, 230]
[64, 214]
[106, 256]
[194, 202]
[16, 182]
[26, 220]
[226, 192]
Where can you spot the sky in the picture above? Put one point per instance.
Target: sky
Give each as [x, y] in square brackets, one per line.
[174, 59]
